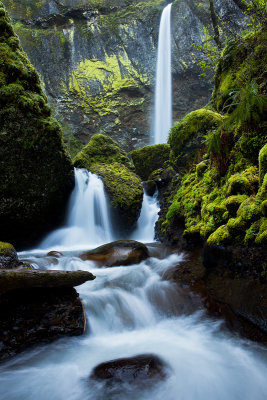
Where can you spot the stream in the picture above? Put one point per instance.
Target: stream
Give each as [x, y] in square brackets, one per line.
[130, 311]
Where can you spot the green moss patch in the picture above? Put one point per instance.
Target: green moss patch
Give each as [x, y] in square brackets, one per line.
[150, 158]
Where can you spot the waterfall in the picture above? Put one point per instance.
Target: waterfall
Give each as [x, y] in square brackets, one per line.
[163, 97]
[145, 229]
[88, 221]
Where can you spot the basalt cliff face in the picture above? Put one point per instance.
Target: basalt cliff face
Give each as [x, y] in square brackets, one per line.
[97, 61]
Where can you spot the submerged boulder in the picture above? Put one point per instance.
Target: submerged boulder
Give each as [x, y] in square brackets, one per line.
[125, 192]
[134, 371]
[36, 173]
[8, 256]
[121, 252]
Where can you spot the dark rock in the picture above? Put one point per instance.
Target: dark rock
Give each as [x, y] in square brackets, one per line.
[25, 278]
[121, 252]
[36, 173]
[38, 315]
[136, 371]
[8, 256]
[150, 187]
[56, 254]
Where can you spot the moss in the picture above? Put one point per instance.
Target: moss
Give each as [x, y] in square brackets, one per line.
[262, 163]
[6, 248]
[220, 237]
[232, 203]
[264, 208]
[101, 149]
[201, 168]
[236, 226]
[150, 158]
[36, 174]
[124, 189]
[173, 211]
[245, 182]
[250, 210]
[201, 120]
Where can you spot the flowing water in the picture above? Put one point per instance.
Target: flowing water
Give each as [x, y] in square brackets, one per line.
[130, 311]
[163, 96]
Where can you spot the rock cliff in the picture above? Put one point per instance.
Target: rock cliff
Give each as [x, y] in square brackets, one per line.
[97, 61]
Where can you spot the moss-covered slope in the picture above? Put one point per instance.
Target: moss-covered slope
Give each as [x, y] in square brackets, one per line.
[222, 198]
[36, 174]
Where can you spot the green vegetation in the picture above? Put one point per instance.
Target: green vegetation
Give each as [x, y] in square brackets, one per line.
[150, 158]
[36, 174]
[222, 193]
[124, 189]
[101, 150]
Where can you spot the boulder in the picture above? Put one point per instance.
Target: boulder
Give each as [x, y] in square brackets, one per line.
[53, 253]
[101, 150]
[121, 252]
[125, 192]
[135, 371]
[8, 256]
[36, 173]
[27, 278]
[149, 158]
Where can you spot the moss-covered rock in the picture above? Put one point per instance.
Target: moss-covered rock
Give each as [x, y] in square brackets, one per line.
[201, 168]
[124, 189]
[150, 158]
[220, 236]
[187, 135]
[101, 150]
[8, 256]
[36, 174]
[245, 182]
[262, 163]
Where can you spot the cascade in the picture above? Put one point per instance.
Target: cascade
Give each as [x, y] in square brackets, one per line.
[163, 95]
[88, 222]
[145, 229]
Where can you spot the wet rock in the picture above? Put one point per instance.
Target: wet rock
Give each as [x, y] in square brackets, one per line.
[8, 256]
[27, 279]
[56, 254]
[138, 370]
[150, 187]
[120, 252]
[38, 315]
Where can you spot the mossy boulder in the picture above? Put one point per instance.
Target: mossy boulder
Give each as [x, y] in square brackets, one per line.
[8, 256]
[245, 182]
[187, 135]
[262, 163]
[120, 252]
[36, 173]
[232, 203]
[201, 168]
[125, 192]
[101, 150]
[220, 237]
[150, 158]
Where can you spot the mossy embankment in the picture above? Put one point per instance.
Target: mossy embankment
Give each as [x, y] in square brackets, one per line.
[36, 173]
[104, 157]
[218, 195]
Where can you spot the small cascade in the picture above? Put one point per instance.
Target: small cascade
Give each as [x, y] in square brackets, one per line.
[88, 222]
[145, 229]
[163, 97]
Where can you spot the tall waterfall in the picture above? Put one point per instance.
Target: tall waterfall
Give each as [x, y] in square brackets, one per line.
[88, 222]
[163, 98]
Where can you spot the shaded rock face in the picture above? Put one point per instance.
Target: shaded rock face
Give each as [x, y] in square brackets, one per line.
[97, 61]
[121, 252]
[36, 173]
[8, 256]
[136, 371]
[37, 315]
